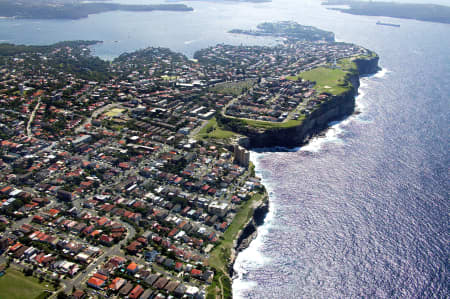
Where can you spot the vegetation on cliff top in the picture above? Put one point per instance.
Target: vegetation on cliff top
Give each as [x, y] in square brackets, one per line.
[330, 79]
[214, 131]
[273, 125]
[220, 257]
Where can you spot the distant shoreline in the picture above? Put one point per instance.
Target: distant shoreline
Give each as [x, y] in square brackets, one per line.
[421, 12]
[77, 10]
[252, 1]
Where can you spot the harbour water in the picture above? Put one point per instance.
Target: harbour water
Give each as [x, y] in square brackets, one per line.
[360, 212]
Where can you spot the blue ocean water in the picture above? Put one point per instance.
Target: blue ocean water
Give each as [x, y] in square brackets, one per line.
[361, 212]
[364, 211]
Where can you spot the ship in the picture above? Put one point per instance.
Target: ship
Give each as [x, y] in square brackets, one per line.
[388, 24]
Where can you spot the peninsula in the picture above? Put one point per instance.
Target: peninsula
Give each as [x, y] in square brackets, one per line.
[129, 178]
[65, 9]
[422, 12]
[288, 30]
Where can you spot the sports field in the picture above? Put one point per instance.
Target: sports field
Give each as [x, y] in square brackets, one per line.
[114, 112]
[15, 285]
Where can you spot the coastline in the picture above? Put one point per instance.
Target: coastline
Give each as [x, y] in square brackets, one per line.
[250, 230]
[76, 11]
[366, 67]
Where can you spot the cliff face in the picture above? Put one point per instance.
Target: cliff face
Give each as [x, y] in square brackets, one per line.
[337, 108]
[367, 66]
[249, 232]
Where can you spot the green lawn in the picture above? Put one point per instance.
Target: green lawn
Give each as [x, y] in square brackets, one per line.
[212, 130]
[15, 285]
[348, 64]
[114, 112]
[327, 79]
[233, 88]
[220, 256]
[269, 124]
[169, 78]
[331, 80]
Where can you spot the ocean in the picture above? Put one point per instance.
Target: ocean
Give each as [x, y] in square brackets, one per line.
[360, 212]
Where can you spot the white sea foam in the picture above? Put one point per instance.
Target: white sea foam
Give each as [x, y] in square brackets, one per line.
[239, 286]
[360, 104]
[337, 128]
[252, 257]
[381, 73]
[332, 135]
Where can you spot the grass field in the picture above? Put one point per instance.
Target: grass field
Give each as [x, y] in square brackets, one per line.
[169, 78]
[332, 80]
[114, 112]
[221, 254]
[15, 285]
[327, 79]
[212, 130]
[268, 124]
[233, 88]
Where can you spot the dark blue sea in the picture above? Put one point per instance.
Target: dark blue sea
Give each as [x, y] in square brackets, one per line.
[360, 212]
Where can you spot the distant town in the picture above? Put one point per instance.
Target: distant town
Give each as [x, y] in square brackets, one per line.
[126, 178]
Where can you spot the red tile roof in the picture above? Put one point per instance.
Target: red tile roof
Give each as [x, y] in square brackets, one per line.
[96, 282]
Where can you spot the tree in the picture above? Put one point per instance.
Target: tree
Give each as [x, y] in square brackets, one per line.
[56, 283]
[28, 272]
[62, 295]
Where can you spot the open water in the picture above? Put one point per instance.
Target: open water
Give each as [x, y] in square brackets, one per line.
[361, 212]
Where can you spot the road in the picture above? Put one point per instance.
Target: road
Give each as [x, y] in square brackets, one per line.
[194, 132]
[30, 121]
[114, 250]
[95, 114]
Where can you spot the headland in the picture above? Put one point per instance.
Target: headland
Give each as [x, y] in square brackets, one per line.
[334, 106]
[127, 176]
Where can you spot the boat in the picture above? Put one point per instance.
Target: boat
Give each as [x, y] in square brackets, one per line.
[388, 24]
